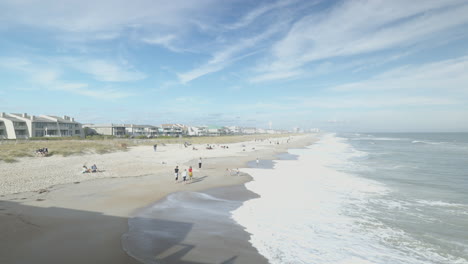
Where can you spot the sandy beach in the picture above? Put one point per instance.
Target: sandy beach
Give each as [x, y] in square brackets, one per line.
[50, 212]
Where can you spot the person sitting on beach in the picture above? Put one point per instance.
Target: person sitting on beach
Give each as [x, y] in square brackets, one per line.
[94, 168]
[85, 169]
[42, 151]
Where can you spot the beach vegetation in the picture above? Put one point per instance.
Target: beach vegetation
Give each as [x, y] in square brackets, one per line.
[11, 150]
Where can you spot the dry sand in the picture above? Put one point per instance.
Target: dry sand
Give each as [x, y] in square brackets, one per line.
[52, 213]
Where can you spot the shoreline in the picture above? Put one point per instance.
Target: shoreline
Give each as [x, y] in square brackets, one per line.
[35, 222]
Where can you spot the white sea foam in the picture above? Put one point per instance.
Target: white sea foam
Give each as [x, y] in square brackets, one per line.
[427, 142]
[440, 203]
[309, 212]
[379, 138]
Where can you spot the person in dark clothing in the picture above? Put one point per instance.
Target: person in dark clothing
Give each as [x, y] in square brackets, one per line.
[176, 173]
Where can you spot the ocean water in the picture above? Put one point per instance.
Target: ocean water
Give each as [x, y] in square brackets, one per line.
[363, 198]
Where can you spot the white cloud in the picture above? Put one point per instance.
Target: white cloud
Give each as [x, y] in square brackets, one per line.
[447, 75]
[106, 71]
[49, 76]
[99, 16]
[362, 27]
[165, 41]
[228, 54]
[254, 14]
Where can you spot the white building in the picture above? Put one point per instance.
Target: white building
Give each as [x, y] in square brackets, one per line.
[173, 130]
[105, 129]
[198, 131]
[22, 126]
[248, 130]
[141, 130]
[234, 130]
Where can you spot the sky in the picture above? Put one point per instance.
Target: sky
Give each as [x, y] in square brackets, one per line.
[354, 65]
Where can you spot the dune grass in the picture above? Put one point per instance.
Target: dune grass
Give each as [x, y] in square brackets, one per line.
[11, 151]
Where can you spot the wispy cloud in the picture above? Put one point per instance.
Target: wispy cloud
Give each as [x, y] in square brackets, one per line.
[106, 71]
[447, 75]
[164, 41]
[100, 16]
[45, 76]
[362, 27]
[254, 14]
[228, 54]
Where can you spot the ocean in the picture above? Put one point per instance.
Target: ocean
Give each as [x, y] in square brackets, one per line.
[363, 198]
[347, 199]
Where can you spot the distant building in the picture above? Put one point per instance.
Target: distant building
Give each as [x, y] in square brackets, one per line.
[215, 131]
[248, 130]
[173, 130]
[105, 129]
[22, 126]
[141, 130]
[233, 130]
[198, 131]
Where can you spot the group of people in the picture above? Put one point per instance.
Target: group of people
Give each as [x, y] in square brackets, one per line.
[42, 152]
[186, 172]
[90, 170]
[232, 172]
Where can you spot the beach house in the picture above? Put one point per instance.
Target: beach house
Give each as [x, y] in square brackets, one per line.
[141, 130]
[173, 130]
[23, 126]
[105, 129]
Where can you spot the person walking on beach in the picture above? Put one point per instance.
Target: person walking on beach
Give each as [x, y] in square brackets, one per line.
[155, 147]
[190, 173]
[176, 173]
[257, 162]
[199, 163]
[184, 175]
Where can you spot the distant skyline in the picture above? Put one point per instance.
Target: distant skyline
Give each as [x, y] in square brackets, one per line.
[335, 65]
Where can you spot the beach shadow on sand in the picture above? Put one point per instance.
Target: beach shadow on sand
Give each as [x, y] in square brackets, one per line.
[31, 234]
[198, 179]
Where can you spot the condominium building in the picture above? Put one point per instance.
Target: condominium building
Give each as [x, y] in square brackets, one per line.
[22, 126]
[120, 130]
[105, 129]
[173, 130]
[141, 130]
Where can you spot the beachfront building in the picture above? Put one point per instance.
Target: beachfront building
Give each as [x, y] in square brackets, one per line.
[141, 130]
[173, 130]
[248, 130]
[105, 129]
[215, 131]
[233, 130]
[23, 126]
[197, 131]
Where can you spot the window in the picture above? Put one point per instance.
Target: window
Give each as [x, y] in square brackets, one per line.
[19, 124]
[39, 133]
[20, 132]
[44, 124]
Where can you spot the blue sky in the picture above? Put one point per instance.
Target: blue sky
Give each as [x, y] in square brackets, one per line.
[336, 65]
